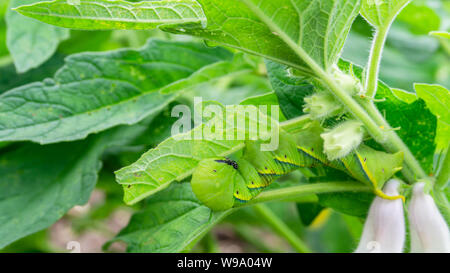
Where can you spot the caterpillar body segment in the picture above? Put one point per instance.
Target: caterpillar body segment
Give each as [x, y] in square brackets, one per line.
[263, 162]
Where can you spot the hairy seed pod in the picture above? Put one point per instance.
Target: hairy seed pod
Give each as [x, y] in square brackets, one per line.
[343, 139]
[349, 83]
[322, 105]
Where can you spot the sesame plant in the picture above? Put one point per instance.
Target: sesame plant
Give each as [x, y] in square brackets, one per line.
[354, 94]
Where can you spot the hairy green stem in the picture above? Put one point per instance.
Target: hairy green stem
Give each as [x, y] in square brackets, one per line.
[281, 228]
[296, 124]
[443, 176]
[374, 61]
[292, 193]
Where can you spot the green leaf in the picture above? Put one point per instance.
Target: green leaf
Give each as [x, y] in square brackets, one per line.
[172, 220]
[444, 39]
[30, 42]
[381, 13]
[404, 95]
[290, 89]
[437, 99]
[420, 19]
[214, 71]
[319, 27]
[417, 125]
[355, 204]
[39, 184]
[100, 14]
[268, 99]
[3, 7]
[96, 91]
[308, 212]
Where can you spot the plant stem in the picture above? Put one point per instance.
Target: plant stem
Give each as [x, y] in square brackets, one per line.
[210, 243]
[443, 176]
[296, 124]
[281, 228]
[248, 234]
[292, 193]
[374, 61]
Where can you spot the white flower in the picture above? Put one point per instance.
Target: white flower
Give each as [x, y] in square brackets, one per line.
[384, 230]
[341, 140]
[429, 231]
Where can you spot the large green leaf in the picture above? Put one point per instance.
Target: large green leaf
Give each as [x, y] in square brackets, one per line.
[381, 13]
[39, 184]
[437, 99]
[171, 221]
[290, 89]
[30, 42]
[100, 14]
[355, 204]
[96, 91]
[268, 100]
[419, 18]
[319, 27]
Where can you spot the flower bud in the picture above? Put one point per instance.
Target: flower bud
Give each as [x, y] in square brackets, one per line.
[322, 105]
[349, 83]
[341, 140]
[384, 230]
[429, 231]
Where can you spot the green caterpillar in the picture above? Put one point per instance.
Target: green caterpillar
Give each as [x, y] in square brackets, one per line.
[221, 183]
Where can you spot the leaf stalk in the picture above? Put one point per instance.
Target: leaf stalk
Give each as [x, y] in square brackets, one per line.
[374, 61]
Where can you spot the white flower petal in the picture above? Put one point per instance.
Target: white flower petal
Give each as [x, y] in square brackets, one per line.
[429, 231]
[384, 230]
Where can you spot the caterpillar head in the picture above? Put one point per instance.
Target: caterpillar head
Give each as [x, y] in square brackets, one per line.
[213, 182]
